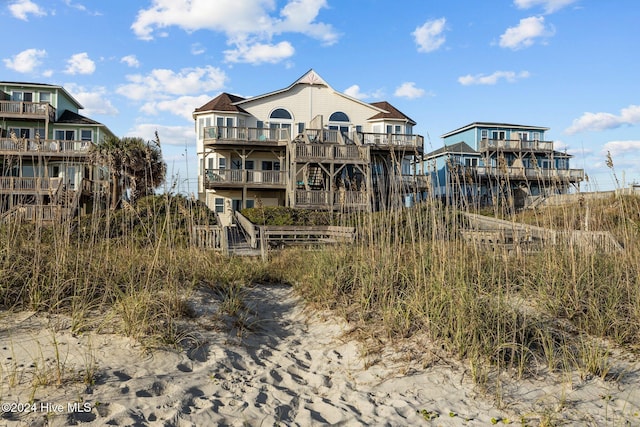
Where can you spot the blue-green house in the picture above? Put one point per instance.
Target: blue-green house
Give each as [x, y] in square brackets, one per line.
[45, 168]
[485, 163]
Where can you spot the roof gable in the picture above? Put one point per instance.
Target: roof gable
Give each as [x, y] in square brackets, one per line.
[457, 148]
[224, 102]
[390, 112]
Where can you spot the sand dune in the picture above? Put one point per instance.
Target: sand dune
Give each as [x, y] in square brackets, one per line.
[282, 365]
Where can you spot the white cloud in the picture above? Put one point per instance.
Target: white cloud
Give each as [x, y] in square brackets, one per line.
[260, 53]
[245, 23]
[80, 63]
[94, 100]
[429, 36]
[409, 90]
[622, 147]
[164, 83]
[602, 121]
[197, 49]
[131, 61]
[491, 79]
[354, 92]
[525, 33]
[549, 6]
[22, 8]
[182, 106]
[26, 61]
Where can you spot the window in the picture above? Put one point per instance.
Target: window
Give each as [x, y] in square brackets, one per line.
[219, 204]
[86, 135]
[339, 116]
[268, 165]
[65, 135]
[210, 163]
[45, 97]
[21, 132]
[39, 132]
[471, 162]
[389, 129]
[484, 134]
[248, 164]
[280, 113]
[222, 163]
[498, 135]
[536, 136]
[397, 130]
[250, 203]
[22, 96]
[300, 127]
[524, 136]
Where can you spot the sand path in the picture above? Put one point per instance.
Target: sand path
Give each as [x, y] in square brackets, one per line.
[284, 366]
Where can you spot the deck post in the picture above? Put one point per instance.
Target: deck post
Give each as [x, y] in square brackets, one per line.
[263, 244]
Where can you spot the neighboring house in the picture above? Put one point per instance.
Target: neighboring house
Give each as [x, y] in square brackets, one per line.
[306, 146]
[45, 171]
[489, 163]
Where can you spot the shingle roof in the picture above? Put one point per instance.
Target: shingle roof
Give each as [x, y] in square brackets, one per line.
[223, 102]
[392, 112]
[69, 117]
[457, 148]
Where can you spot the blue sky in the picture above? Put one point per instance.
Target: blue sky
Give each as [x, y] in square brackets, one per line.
[141, 66]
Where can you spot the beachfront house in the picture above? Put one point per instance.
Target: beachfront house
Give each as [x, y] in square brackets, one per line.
[488, 163]
[45, 171]
[306, 146]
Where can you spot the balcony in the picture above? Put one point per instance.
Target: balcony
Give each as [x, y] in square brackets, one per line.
[243, 135]
[384, 140]
[20, 185]
[229, 178]
[515, 145]
[27, 110]
[43, 146]
[570, 175]
[324, 152]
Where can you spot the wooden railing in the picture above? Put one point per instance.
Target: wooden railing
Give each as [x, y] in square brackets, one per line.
[27, 109]
[16, 184]
[531, 173]
[305, 152]
[392, 140]
[45, 213]
[274, 236]
[43, 145]
[210, 237]
[215, 134]
[515, 144]
[245, 176]
[324, 199]
[251, 231]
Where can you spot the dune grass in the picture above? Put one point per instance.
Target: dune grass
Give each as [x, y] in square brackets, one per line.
[408, 272]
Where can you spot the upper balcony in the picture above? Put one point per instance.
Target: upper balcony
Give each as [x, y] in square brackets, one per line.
[27, 110]
[392, 140]
[532, 174]
[316, 152]
[21, 146]
[226, 135]
[515, 145]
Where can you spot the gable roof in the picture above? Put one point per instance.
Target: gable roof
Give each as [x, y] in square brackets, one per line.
[492, 125]
[390, 112]
[71, 118]
[223, 102]
[457, 148]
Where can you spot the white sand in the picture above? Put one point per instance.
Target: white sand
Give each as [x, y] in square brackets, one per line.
[290, 368]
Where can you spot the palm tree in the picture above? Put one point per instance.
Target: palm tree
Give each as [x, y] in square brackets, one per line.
[133, 165]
